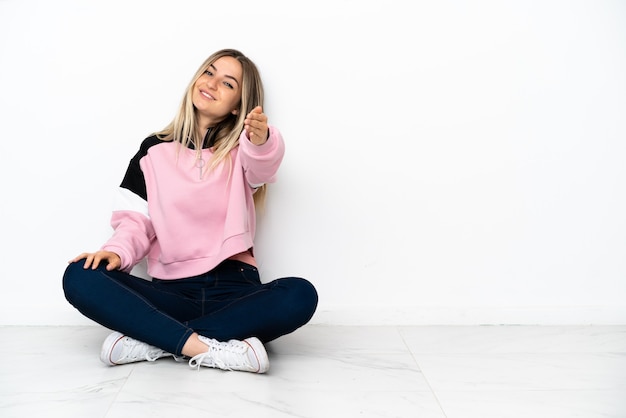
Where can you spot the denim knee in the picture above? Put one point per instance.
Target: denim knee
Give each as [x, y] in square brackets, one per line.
[76, 282]
[303, 299]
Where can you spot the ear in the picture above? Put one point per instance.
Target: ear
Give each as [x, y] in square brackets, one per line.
[235, 111]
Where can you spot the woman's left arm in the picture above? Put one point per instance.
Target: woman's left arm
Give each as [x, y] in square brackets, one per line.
[261, 162]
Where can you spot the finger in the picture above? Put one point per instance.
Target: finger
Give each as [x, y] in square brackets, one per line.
[88, 261]
[256, 127]
[113, 264]
[257, 123]
[257, 131]
[96, 261]
[256, 114]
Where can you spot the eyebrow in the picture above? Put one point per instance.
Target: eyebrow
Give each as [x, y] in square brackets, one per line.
[225, 75]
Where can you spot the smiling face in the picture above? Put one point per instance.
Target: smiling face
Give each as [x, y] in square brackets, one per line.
[217, 92]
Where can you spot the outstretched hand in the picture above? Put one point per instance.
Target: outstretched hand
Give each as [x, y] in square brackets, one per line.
[93, 260]
[256, 126]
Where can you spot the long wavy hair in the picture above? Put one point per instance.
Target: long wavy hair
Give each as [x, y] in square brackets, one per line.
[225, 135]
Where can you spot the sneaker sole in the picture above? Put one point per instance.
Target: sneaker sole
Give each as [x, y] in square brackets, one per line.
[259, 352]
[107, 348]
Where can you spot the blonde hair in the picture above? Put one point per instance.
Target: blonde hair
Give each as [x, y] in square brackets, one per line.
[225, 135]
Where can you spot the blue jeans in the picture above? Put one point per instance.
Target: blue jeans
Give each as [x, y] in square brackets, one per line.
[228, 302]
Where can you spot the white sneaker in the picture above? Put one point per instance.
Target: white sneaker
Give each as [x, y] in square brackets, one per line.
[120, 349]
[248, 355]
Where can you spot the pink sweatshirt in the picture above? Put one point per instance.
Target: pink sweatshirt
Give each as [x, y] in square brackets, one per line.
[184, 222]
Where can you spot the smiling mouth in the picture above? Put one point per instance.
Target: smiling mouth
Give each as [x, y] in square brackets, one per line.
[207, 95]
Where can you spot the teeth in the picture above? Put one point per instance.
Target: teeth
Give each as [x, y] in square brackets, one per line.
[208, 96]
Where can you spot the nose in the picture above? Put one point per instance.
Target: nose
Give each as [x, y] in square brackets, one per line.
[210, 82]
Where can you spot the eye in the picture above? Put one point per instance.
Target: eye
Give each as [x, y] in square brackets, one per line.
[208, 72]
[227, 84]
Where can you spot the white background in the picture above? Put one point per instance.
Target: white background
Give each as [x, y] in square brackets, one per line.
[447, 161]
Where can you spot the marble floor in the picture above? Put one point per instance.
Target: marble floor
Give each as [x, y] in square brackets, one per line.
[331, 371]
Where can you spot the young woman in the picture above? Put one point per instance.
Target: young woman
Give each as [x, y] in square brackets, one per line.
[187, 205]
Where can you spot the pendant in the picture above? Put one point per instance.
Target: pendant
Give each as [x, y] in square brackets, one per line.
[200, 164]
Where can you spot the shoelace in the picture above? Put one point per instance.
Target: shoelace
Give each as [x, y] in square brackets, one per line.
[155, 354]
[225, 355]
[137, 350]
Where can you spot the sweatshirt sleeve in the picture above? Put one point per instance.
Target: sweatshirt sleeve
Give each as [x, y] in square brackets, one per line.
[261, 162]
[133, 230]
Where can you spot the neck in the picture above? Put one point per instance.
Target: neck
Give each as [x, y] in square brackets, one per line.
[203, 123]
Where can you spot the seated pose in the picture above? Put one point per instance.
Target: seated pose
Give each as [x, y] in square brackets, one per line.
[187, 205]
